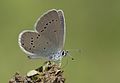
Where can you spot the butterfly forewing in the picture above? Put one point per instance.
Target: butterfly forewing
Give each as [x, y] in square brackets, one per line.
[61, 34]
[49, 25]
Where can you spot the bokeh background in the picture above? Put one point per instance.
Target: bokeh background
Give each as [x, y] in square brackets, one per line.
[92, 26]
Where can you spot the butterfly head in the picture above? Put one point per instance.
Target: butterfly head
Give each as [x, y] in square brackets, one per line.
[64, 53]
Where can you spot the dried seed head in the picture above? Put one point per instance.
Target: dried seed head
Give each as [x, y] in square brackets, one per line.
[50, 72]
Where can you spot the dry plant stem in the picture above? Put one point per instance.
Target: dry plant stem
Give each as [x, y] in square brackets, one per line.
[50, 72]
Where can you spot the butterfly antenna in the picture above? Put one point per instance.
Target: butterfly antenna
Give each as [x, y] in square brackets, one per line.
[71, 56]
[77, 50]
[70, 53]
[65, 64]
[67, 53]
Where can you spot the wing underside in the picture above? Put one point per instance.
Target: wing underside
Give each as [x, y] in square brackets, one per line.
[48, 37]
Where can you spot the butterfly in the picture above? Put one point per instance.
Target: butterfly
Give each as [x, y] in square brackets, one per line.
[48, 38]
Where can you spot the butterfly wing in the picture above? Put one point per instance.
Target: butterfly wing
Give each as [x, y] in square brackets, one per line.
[62, 31]
[52, 26]
[46, 39]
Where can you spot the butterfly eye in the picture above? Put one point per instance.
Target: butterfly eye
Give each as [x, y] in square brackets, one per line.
[63, 53]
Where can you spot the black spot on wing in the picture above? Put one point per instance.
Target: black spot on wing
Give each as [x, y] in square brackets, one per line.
[29, 48]
[32, 52]
[46, 42]
[55, 31]
[50, 22]
[45, 27]
[46, 23]
[42, 30]
[38, 36]
[33, 46]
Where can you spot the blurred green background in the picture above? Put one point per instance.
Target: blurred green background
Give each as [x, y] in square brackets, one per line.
[92, 26]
